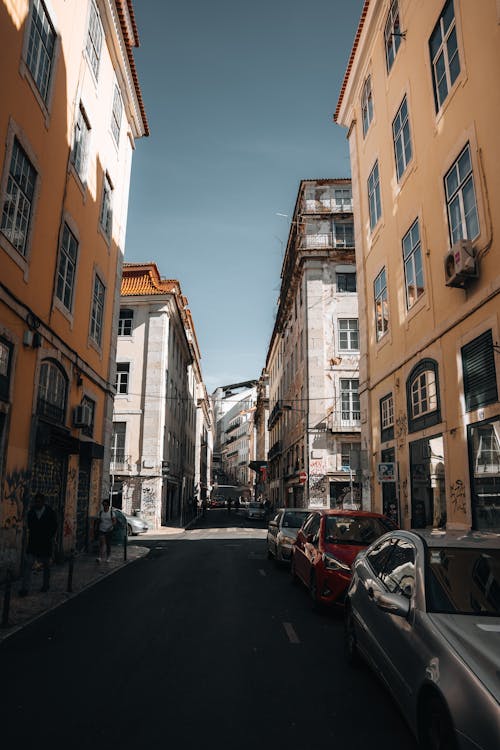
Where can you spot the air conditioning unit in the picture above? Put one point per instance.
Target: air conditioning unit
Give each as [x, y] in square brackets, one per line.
[460, 264]
[82, 416]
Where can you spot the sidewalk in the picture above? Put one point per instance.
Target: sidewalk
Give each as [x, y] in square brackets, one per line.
[86, 572]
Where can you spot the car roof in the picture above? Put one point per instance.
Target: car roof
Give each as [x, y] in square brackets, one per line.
[346, 512]
[454, 538]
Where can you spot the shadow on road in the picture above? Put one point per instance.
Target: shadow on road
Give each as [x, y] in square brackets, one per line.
[221, 518]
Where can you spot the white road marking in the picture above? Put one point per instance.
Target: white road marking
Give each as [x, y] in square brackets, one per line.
[290, 631]
[262, 572]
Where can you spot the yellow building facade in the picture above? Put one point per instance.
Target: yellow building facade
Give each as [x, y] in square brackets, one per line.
[421, 104]
[70, 112]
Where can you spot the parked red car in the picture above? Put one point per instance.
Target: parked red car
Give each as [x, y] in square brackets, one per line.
[326, 547]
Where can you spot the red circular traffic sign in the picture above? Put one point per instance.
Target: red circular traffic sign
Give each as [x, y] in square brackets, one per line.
[303, 477]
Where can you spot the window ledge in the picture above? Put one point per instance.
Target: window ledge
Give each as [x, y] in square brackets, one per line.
[81, 184]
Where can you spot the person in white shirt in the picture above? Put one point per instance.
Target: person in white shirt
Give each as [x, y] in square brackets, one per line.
[105, 524]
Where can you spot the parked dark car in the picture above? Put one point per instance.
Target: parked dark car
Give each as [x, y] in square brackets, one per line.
[423, 609]
[326, 546]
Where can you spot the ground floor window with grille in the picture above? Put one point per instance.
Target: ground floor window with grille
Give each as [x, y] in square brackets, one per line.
[484, 454]
[349, 400]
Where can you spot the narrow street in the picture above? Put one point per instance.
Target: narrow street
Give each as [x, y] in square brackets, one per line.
[204, 641]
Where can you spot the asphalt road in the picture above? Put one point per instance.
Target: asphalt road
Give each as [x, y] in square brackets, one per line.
[204, 642]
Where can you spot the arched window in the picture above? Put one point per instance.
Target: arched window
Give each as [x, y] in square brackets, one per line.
[367, 105]
[52, 392]
[422, 394]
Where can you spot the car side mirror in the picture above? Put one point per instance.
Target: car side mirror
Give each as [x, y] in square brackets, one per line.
[395, 604]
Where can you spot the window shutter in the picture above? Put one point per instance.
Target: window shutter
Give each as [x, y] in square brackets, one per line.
[480, 382]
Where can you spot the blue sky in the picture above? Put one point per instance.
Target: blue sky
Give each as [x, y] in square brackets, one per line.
[239, 98]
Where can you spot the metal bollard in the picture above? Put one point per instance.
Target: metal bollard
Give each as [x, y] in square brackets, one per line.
[71, 565]
[125, 540]
[6, 600]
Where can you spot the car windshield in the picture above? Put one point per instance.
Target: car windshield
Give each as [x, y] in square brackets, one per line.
[353, 530]
[293, 519]
[254, 505]
[463, 581]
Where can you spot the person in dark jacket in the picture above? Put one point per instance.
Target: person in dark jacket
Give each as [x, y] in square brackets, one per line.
[42, 527]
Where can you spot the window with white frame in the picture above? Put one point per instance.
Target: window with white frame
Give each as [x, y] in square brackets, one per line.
[125, 321]
[374, 203]
[367, 105]
[66, 269]
[348, 334]
[106, 217]
[392, 34]
[88, 430]
[349, 399]
[414, 271]
[122, 377]
[118, 442]
[461, 199]
[81, 142]
[381, 304]
[116, 114]
[342, 199]
[41, 45]
[346, 282]
[18, 201]
[423, 393]
[387, 412]
[445, 59]
[97, 311]
[402, 139]
[94, 40]
[343, 233]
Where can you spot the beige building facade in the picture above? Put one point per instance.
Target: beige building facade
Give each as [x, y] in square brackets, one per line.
[422, 127]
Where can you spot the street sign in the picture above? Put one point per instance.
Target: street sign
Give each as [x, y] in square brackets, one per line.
[303, 477]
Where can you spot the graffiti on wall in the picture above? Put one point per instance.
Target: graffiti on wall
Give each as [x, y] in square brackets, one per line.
[404, 496]
[16, 498]
[457, 497]
[401, 426]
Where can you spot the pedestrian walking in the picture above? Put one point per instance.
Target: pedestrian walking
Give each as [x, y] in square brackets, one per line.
[42, 527]
[105, 524]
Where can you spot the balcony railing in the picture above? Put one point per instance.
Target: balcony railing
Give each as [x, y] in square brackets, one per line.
[119, 462]
[327, 206]
[324, 240]
[344, 421]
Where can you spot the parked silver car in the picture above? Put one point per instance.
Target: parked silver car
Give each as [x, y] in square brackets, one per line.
[135, 525]
[255, 510]
[423, 609]
[282, 532]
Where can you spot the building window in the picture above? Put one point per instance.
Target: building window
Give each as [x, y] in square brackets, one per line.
[94, 40]
[392, 34]
[414, 271]
[381, 305]
[374, 203]
[52, 390]
[387, 418]
[81, 142]
[125, 320]
[422, 393]
[349, 334]
[88, 430]
[5, 368]
[116, 114]
[402, 139]
[18, 202]
[479, 373]
[349, 400]
[367, 105]
[106, 217]
[346, 282]
[118, 442]
[122, 377]
[346, 454]
[444, 54]
[67, 268]
[461, 199]
[344, 233]
[41, 45]
[342, 200]
[97, 312]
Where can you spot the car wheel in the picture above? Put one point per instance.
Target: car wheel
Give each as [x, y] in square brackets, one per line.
[435, 726]
[350, 640]
[129, 530]
[293, 572]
